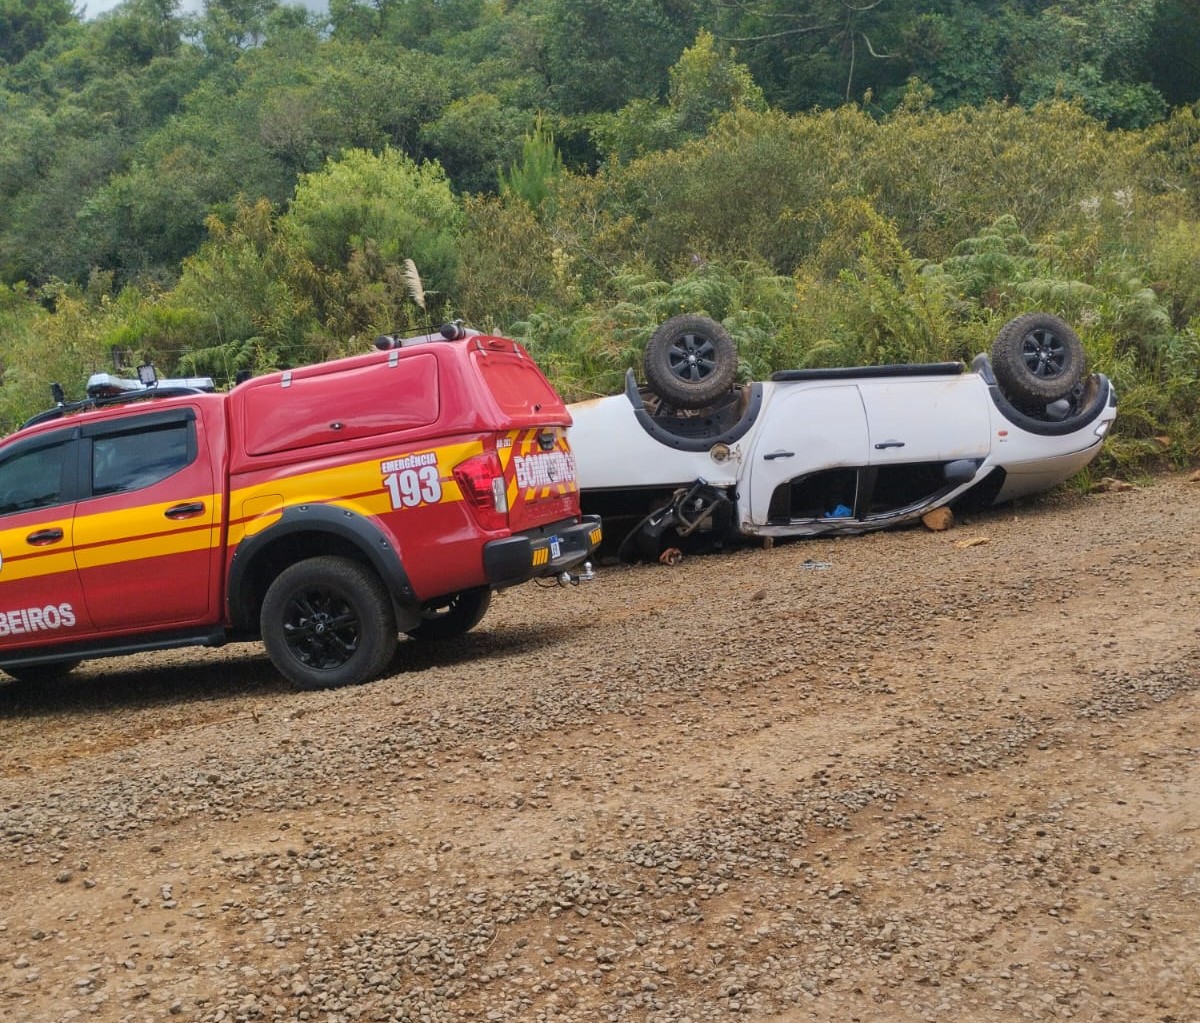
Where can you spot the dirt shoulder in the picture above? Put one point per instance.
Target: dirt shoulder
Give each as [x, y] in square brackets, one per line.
[950, 776]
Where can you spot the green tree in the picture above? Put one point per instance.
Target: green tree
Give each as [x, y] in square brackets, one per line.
[820, 53]
[599, 56]
[50, 334]
[227, 26]
[510, 266]
[242, 290]
[39, 230]
[704, 84]
[473, 137]
[961, 50]
[357, 222]
[280, 110]
[426, 24]
[1095, 52]
[1174, 52]
[532, 176]
[138, 31]
[27, 25]
[503, 55]
[406, 208]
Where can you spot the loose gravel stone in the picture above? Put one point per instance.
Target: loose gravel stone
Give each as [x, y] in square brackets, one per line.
[952, 775]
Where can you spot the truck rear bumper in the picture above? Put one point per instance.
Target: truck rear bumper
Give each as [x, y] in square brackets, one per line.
[543, 552]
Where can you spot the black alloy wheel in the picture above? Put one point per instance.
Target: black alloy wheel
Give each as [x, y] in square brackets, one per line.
[328, 622]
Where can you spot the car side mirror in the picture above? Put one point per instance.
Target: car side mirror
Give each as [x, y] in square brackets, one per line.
[960, 471]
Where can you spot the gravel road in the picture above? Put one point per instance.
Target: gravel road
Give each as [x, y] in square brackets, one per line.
[953, 776]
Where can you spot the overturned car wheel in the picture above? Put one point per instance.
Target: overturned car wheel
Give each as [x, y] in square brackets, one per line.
[1037, 359]
[690, 361]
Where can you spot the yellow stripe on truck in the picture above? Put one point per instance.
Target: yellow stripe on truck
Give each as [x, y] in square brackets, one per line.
[144, 532]
[359, 486]
[538, 463]
[24, 561]
[512, 444]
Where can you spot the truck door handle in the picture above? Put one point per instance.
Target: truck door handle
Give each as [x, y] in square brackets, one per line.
[185, 511]
[889, 444]
[42, 537]
[778, 454]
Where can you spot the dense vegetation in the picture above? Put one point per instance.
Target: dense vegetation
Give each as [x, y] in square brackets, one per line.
[887, 180]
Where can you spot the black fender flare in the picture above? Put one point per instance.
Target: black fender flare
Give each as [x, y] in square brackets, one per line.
[362, 532]
[1098, 394]
[660, 433]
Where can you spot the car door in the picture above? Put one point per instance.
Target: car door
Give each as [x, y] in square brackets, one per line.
[41, 596]
[146, 523]
[811, 440]
[936, 419]
[926, 435]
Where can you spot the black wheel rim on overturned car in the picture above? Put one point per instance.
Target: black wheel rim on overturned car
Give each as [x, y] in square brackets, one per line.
[1037, 359]
[1044, 353]
[690, 361]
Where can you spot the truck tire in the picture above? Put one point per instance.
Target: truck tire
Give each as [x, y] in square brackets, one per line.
[42, 674]
[690, 361]
[1037, 359]
[453, 615]
[328, 622]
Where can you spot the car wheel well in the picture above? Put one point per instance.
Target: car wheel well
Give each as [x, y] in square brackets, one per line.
[983, 494]
[269, 561]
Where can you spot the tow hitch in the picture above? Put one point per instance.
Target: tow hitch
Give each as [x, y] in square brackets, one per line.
[585, 575]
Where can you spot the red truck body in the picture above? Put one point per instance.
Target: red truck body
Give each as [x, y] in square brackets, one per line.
[438, 470]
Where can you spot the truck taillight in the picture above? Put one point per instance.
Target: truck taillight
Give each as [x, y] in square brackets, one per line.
[481, 480]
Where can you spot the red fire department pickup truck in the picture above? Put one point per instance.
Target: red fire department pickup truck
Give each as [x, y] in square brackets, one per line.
[323, 510]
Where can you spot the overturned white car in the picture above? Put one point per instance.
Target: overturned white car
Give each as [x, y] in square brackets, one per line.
[692, 458]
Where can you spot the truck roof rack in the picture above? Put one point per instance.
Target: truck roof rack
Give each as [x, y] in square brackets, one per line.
[106, 389]
[105, 385]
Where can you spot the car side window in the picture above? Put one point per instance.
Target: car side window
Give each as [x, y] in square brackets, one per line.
[828, 494]
[133, 459]
[34, 478]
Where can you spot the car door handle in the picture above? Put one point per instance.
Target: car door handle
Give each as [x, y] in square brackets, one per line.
[185, 511]
[889, 444]
[778, 454]
[42, 537]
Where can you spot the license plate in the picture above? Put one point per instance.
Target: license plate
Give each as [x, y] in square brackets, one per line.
[555, 547]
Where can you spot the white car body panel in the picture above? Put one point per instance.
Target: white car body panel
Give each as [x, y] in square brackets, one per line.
[1042, 473]
[874, 424]
[798, 431]
[908, 418]
[612, 451]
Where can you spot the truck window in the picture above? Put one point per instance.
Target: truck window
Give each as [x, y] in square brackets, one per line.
[139, 458]
[33, 478]
[518, 386]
